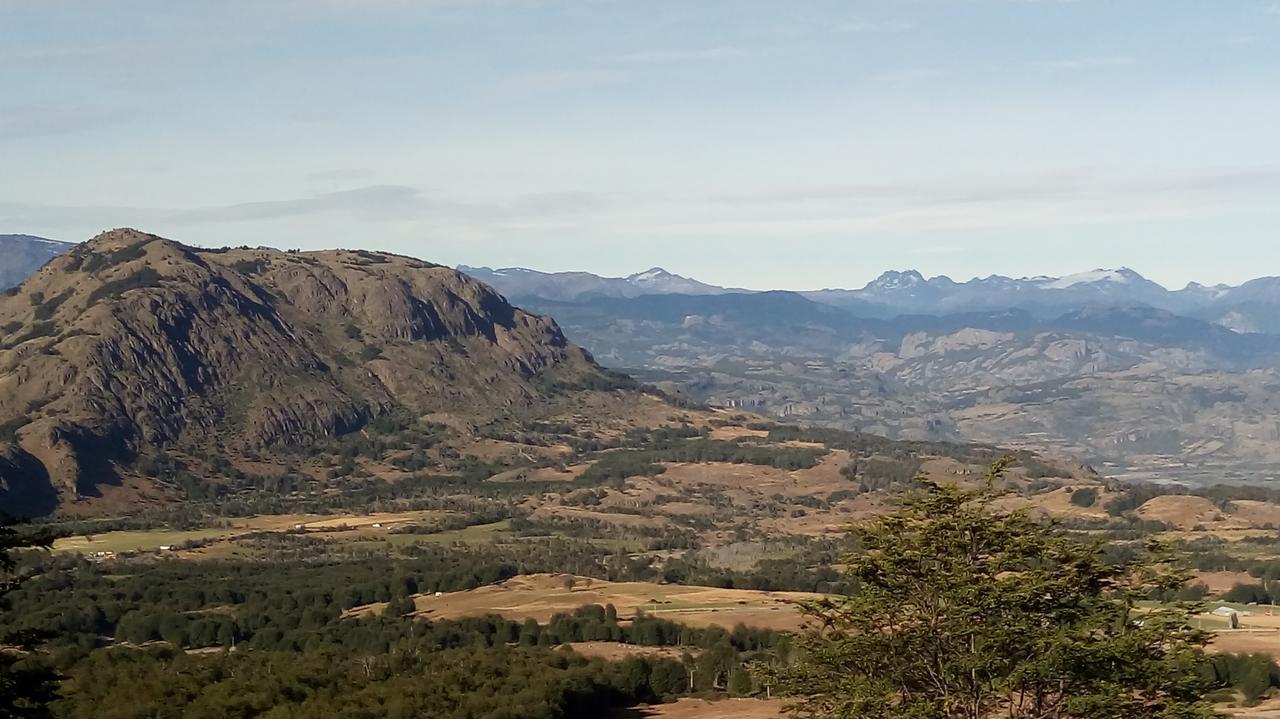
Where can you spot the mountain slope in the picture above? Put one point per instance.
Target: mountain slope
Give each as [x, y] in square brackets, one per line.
[1133, 385]
[131, 342]
[21, 255]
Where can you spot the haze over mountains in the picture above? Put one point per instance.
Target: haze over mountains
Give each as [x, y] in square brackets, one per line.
[21, 255]
[1244, 308]
[1105, 365]
[1247, 308]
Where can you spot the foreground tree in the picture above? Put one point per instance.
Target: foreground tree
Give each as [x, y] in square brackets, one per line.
[968, 612]
[26, 686]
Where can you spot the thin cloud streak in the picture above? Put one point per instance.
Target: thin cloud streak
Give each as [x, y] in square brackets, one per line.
[659, 57]
[1057, 199]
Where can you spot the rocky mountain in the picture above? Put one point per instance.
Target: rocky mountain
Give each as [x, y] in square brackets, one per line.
[21, 255]
[632, 331]
[519, 282]
[1249, 308]
[895, 293]
[1136, 388]
[131, 343]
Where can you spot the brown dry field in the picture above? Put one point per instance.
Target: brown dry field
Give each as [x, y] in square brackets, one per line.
[732, 433]
[540, 596]
[1258, 634]
[1222, 582]
[615, 651]
[1058, 503]
[1256, 513]
[703, 709]
[1266, 710]
[1185, 512]
[541, 474]
[1246, 641]
[337, 525]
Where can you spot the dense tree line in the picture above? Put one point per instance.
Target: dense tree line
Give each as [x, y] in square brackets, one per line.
[499, 682]
[285, 604]
[26, 682]
[1253, 675]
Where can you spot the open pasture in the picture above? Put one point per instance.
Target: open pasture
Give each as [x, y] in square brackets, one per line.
[541, 596]
[339, 525]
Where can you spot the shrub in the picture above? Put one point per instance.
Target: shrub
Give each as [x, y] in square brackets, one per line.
[1085, 497]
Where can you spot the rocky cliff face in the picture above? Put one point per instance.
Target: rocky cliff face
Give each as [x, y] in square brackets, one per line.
[132, 342]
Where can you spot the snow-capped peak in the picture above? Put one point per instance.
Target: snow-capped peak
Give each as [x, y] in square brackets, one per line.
[1122, 276]
[652, 275]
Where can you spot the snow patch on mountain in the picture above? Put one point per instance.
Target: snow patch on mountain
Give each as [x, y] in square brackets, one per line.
[1121, 276]
[653, 275]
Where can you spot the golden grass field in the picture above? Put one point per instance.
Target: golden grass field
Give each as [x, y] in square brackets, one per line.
[540, 596]
[703, 709]
[615, 651]
[345, 526]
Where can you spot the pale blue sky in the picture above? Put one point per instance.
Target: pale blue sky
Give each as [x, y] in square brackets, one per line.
[756, 143]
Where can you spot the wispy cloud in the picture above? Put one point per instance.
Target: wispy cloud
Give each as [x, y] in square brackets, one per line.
[1064, 198]
[1065, 65]
[656, 57]
[26, 121]
[1084, 63]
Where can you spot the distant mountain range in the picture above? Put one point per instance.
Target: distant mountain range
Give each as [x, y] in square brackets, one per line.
[1248, 308]
[1104, 365]
[520, 282]
[21, 255]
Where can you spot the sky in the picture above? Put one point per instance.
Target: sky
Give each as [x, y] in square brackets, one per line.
[751, 143]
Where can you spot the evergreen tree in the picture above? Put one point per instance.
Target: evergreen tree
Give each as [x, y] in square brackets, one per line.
[26, 685]
[739, 682]
[968, 612]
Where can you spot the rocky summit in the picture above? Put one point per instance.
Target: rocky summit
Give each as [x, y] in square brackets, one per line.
[132, 342]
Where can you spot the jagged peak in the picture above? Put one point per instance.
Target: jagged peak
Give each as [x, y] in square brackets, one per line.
[894, 279]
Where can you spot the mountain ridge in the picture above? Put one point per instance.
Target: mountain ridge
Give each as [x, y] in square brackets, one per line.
[130, 343]
[1246, 308]
[1243, 309]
